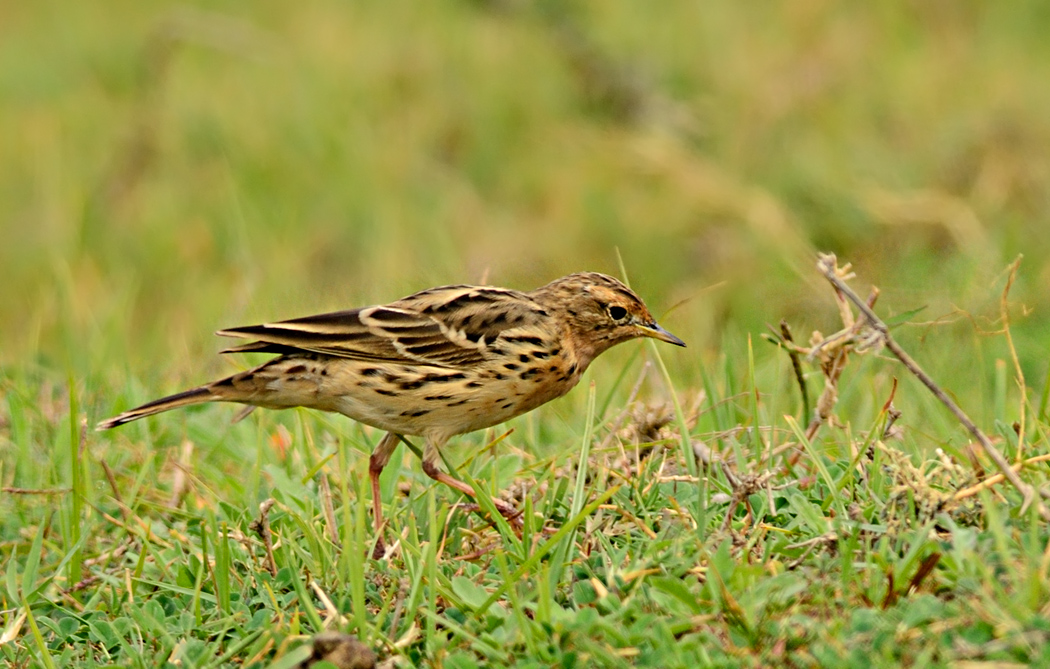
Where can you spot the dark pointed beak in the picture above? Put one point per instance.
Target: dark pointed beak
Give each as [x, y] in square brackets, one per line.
[656, 332]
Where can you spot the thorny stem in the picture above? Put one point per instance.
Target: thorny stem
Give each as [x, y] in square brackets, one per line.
[827, 265]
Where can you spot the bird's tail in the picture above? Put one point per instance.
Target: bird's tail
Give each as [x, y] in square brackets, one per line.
[283, 382]
[198, 395]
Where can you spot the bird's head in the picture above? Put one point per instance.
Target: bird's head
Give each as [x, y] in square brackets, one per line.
[601, 312]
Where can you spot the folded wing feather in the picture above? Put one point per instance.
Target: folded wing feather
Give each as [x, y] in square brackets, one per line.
[451, 329]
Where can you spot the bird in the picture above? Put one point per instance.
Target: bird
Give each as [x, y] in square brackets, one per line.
[438, 363]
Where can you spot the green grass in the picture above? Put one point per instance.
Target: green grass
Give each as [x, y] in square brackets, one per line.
[168, 171]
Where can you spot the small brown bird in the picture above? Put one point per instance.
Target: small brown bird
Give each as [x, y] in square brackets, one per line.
[441, 362]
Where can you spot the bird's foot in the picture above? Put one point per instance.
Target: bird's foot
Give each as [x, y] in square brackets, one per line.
[379, 549]
[512, 514]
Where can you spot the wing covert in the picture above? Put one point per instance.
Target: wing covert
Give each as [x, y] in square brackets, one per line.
[452, 326]
[373, 334]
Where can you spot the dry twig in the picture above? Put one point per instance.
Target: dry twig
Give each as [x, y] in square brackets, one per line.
[261, 526]
[828, 266]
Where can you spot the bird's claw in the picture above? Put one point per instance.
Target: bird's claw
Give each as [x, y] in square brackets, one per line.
[512, 515]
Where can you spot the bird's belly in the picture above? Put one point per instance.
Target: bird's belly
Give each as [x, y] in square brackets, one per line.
[412, 405]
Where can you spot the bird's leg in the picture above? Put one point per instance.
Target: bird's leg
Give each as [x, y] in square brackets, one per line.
[431, 469]
[379, 458]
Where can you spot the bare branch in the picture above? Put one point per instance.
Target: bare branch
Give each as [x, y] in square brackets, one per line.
[828, 266]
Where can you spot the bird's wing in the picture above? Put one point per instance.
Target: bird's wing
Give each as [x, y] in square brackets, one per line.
[452, 326]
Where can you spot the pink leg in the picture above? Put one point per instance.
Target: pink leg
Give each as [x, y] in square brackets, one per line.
[431, 469]
[379, 459]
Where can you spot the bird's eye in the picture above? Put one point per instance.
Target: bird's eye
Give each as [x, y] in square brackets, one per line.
[617, 313]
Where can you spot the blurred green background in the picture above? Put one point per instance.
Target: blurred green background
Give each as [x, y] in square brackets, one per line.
[167, 170]
[170, 169]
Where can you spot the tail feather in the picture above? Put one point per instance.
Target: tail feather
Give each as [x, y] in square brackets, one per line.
[198, 395]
